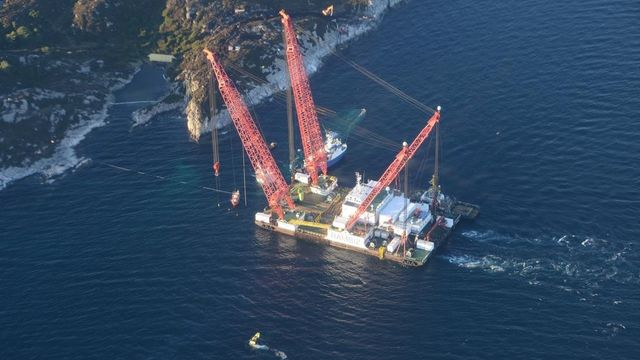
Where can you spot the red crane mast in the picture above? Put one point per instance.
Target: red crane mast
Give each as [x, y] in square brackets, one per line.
[315, 157]
[396, 166]
[267, 173]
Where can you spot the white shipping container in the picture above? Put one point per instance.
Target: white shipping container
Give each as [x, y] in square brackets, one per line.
[286, 226]
[449, 223]
[405, 214]
[391, 210]
[393, 245]
[340, 222]
[303, 178]
[425, 245]
[262, 217]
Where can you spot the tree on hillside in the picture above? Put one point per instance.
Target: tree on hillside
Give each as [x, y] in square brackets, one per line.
[38, 21]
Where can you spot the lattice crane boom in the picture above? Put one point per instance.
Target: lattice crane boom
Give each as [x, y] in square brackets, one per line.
[267, 173]
[315, 156]
[394, 169]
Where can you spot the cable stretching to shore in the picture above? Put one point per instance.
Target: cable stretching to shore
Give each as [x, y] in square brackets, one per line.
[121, 168]
[360, 133]
[399, 93]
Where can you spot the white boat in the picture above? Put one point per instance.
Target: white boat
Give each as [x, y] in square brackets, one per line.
[334, 147]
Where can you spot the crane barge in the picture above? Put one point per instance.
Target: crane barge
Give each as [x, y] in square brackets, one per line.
[371, 218]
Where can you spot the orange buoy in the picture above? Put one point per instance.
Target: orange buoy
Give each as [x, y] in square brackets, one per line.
[216, 168]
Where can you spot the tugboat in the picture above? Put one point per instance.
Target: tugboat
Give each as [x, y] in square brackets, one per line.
[334, 147]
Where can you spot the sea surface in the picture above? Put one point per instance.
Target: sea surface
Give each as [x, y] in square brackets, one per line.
[540, 127]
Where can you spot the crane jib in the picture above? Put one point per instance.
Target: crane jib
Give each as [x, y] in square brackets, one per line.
[310, 133]
[273, 184]
[405, 154]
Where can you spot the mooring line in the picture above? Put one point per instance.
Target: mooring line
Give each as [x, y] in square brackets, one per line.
[121, 168]
[134, 102]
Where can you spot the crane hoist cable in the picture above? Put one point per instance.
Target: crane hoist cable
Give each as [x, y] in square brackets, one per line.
[377, 79]
[125, 169]
[365, 135]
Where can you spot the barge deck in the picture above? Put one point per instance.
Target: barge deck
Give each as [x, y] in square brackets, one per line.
[312, 221]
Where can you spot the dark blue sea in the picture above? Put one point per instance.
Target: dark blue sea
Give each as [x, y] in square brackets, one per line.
[540, 127]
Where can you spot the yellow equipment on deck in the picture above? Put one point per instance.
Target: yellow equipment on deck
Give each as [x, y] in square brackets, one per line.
[309, 223]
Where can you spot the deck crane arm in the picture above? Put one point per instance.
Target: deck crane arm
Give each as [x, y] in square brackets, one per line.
[267, 173]
[394, 169]
[315, 157]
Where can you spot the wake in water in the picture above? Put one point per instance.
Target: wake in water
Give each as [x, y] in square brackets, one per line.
[582, 265]
[253, 343]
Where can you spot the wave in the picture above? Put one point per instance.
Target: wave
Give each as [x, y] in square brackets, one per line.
[486, 236]
[145, 115]
[277, 353]
[579, 264]
[64, 157]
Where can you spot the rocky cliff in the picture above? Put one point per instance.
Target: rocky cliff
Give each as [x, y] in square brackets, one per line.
[59, 60]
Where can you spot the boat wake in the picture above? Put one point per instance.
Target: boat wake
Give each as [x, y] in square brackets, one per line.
[579, 264]
[253, 343]
[277, 353]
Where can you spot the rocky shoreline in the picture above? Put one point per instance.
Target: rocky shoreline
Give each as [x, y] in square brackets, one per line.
[41, 125]
[316, 43]
[60, 155]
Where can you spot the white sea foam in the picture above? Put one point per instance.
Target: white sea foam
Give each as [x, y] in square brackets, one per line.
[578, 264]
[280, 354]
[143, 116]
[612, 329]
[64, 157]
[277, 353]
[487, 236]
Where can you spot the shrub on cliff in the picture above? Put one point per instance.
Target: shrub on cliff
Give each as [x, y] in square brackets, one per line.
[36, 20]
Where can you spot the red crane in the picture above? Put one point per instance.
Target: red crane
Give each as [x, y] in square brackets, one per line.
[315, 157]
[267, 173]
[396, 166]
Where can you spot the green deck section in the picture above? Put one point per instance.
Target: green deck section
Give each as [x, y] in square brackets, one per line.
[312, 203]
[323, 208]
[466, 210]
[420, 254]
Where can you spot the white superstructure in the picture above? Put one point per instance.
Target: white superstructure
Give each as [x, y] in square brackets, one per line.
[334, 147]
